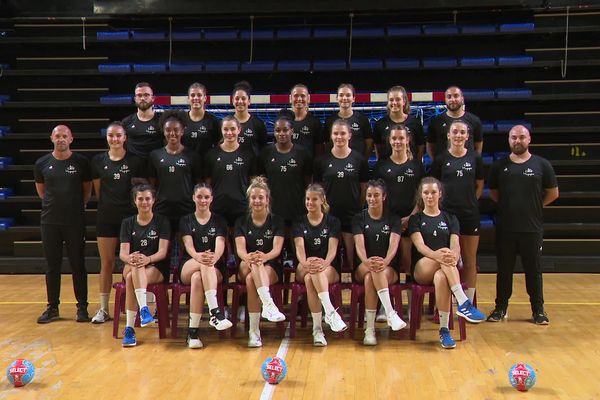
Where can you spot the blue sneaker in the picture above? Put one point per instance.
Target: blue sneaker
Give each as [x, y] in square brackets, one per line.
[145, 317]
[446, 339]
[129, 337]
[469, 312]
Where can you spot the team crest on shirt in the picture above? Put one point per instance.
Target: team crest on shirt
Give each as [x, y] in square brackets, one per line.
[181, 163]
[467, 166]
[349, 167]
[124, 169]
[528, 172]
[324, 232]
[268, 234]
[212, 231]
[305, 130]
[152, 234]
[71, 170]
[150, 130]
[239, 161]
[292, 163]
[249, 132]
[409, 172]
[442, 225]
[385, 229]
[355, 126]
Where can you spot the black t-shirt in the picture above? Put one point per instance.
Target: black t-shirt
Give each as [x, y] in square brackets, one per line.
[145, 238]
[436, 231]
[376, 232]
[253, 134]
[203, 236]
[316, 237]
[521, 193]
[458, 175]
[438, 131]
[229, 173]
[381, 134]
[176, 175]
[308, 133]
[401, 181]
[115, 185]
[63, 188]
[201, 135]
[361, 130]
[341, 179]
[285, 173]
[259, 238]
[143, 136]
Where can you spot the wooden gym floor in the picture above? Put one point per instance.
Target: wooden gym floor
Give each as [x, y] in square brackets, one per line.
[83, 361]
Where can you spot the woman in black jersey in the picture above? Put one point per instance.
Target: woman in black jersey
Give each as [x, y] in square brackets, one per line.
[202, 129]
[362, 133]
[343, 172]
[174, 170]
[308, 130]
[436, 251]
[258, 240]
[461, 172]
[398, 107]
[316, 237]
[204, 235]
[112, 172]
[228, 168]
[253, 132]
[401, 173]
[377, 236]
[144, 247]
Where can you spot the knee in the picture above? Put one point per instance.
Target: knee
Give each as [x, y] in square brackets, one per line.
[368, 279]
[196, 279]
[249, 280]
[439, 279]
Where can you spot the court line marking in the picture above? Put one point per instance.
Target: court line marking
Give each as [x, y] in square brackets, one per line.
[268, 389]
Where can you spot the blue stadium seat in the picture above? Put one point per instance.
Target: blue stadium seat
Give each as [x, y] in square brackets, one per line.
[404, 30]
[6, 222]
[186, 35]
[293, 33]
[478, 28]
[329, 65]
[402, 63]
[4, 66]
[294, 65]
[506, 125]
[5, 161]
[261, 34]
[187, 67]
[522, 27]
[330, 33]
[479, 94]
[477, 61]
[111, 36]
[4, 98]
[486, 221]
[4, 129]
[6, 192]
[487, 126]
[518, 93]
[487, 158]
[500, 155]
[116, 99]
[145, 35]
[514, 61]
[367, 63]
[222, 66]
[436, 29]
[220, 34]
[439, 62]
[368, 32]
[259, 66]
[149, 67]
[114, 68]
[103, 132]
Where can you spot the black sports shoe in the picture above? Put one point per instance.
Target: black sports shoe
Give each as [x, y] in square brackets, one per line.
[51, 314]
[541, 318]
[497, 315]
[218, 320]
[82, 314]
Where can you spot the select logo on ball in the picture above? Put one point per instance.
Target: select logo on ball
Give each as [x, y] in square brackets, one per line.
[20, 372]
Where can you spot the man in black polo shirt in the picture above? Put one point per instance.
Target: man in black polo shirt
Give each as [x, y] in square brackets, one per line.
[63, 182]
[522, 184]
[144, 132]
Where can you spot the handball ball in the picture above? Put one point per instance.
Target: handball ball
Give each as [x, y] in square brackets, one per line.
[273, 370]
[20, 372]
[521, 377]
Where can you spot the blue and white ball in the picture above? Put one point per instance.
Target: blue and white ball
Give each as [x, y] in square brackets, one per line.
[273, 370]
[522, 377]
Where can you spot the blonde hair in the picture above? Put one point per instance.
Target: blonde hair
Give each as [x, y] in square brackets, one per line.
[398, 88]
[317, 188]
[259, 182]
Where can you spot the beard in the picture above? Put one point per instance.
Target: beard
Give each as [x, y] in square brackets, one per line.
[518, 149]
[454, 106]
[143, 106]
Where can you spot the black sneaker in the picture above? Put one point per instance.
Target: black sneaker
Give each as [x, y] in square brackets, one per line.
[541, 318]
[51, 314]
[497, 315]
[193, 341]
[218, 320]
[82, 314]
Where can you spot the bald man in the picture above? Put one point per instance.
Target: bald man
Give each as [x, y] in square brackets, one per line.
[522, 184]
[63, 182]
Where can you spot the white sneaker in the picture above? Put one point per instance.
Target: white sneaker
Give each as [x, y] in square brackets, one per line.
[319, 339]
[381, 317]
[101, 317]
[254, 340]
[242, 314]
[218, 320]
[193, 341]
[335, 322]
[370, 339]
[395, 322]
[272, 313]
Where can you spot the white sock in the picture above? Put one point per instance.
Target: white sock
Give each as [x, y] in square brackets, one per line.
[130, 318]
[195, 320]
[150, 298]
[470, 292]
[371, 314]
[140, 295]
[104, 301]
[384, 296]
[444, 319]
[211, 299]
[460, 295]
[264, 294]
[326, 301]
[254, 321]
[317, 317]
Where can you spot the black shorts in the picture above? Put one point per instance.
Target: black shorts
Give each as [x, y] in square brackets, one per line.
[469, 224]
[107, 229]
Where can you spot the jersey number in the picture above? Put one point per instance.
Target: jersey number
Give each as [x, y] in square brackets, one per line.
[459, 172]
[116, 176]
[401, 178]
[259, 242]
[144, 242]
[229, 167]
[204, 239]
[171, 168]
[284, 168]
[340, 174]
[317, 241]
